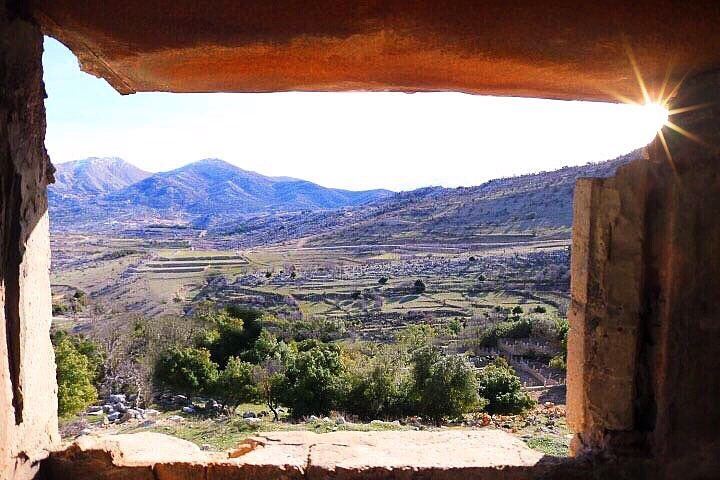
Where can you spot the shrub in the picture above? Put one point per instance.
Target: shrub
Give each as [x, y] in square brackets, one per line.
[265, 346]
[252, 322]
[324, 329]
[187, 369]
[377, 385]
[514, 329]
[235, 384]
[455, 326]
[383, 280]
[488, 336]
[558, 362]
[313, 379]
[269, 380]
[563, 328]
[59, 309]
[229, 332]
[75, 374]
[517, 310]
[540, 309]
[544, 327]
[501, 387]
[413, 338]
[419, 286]
[444, 386]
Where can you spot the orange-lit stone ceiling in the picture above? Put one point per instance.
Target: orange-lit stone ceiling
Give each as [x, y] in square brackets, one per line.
[551, 48]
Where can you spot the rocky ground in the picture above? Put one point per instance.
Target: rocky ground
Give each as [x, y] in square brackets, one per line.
[543, 429]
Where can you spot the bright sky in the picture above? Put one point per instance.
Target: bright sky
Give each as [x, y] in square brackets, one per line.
[344, 140]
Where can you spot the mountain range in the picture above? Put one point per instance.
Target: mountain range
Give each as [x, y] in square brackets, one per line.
[96, 194]
[213, 185]
[108, 189]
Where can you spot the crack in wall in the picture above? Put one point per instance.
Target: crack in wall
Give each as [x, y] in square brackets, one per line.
[308, 461]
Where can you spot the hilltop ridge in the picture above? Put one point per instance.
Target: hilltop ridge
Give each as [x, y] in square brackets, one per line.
[94, 192]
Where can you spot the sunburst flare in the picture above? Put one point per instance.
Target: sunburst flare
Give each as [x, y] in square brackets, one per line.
[658, 107]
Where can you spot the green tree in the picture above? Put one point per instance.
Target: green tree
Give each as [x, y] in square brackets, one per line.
[501, 387]
[560, 361]
[90, 349]
[313, 379]
[488, 336]
[377, 385]
[266, 346]
[517, 310]
[187, 369]
[75, 374]
[563, 328]
[235, 384]
[514, 329]
[383, 280]
[229, 332]
[270, 380]
[445, 386]
[419, 286]
[415, 337]
[455, 326]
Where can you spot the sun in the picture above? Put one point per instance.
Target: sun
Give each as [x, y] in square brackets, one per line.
[655, 108]
[655, 114]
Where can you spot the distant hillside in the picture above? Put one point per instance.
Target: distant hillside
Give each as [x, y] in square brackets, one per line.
[94, 176]
[214, 186]
[95, 193]
[538, 204]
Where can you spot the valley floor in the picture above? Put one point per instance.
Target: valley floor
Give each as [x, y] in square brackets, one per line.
[344, 293]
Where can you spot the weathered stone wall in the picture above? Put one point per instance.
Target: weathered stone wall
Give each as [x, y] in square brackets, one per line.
[644, 348]
[607, 264]
[28, 421]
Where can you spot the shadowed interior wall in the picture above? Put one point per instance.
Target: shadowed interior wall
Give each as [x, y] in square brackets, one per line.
[644, 347]
[28, 402]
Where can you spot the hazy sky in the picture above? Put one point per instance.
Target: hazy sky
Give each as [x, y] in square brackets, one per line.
[345, 140]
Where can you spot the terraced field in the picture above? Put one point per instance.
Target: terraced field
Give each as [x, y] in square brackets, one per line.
[181, 262]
